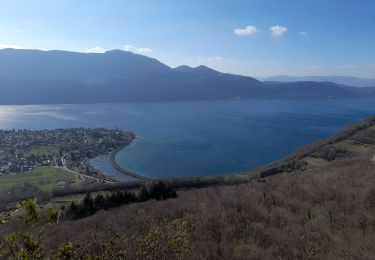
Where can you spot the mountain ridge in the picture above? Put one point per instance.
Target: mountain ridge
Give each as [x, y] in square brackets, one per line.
[57, 77]
[344, 80]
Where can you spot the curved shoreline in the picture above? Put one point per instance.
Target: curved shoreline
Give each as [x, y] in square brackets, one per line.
[259, 174]
[112, 161]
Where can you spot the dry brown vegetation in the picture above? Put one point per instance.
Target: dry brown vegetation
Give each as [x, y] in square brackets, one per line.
[325, 213]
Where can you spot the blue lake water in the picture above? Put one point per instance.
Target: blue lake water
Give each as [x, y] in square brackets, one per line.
[201, 137]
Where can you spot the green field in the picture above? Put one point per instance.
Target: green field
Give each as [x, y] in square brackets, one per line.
[45, 178]
[43, 150]
[372, 127]
[315, 161]
[350, 146]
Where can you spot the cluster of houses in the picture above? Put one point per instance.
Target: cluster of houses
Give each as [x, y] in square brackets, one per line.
[71, 146]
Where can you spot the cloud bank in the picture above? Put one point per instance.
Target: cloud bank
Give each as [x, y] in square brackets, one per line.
[134, 49]
[96, 49]
[11, 46]
[278, 30]
[248, 30]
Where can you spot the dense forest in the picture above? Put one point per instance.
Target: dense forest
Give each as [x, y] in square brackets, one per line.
[328, 213]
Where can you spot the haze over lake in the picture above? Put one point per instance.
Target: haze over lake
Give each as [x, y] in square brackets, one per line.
[201, 137]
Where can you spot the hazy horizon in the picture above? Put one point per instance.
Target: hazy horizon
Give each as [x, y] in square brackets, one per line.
[252, 38]
[195, 66]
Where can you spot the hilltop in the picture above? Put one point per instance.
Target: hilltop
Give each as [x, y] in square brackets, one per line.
[57, 77]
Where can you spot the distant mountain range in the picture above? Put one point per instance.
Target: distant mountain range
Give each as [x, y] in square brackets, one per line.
[56, 77]
[349, 81]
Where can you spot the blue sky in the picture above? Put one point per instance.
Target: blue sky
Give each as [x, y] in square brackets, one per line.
[253, 37]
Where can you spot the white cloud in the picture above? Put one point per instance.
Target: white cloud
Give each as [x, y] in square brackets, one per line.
[134, 49]
[96, 49]
[19, 47]
[248, 30]
[11, 46]
[278, 30]
[304, 34]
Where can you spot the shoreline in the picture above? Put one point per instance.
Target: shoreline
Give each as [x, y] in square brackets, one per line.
[118, 167]
[293, 163]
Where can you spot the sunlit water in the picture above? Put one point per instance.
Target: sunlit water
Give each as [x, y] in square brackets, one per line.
[202, 137]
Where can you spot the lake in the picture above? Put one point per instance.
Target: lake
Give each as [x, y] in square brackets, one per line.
[200, 137]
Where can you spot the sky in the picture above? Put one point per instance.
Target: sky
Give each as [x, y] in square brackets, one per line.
[249, 37]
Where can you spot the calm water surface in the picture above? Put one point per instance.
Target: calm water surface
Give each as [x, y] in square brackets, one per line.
[202, 137]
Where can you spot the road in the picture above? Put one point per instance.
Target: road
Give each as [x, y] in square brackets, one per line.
[65, 168]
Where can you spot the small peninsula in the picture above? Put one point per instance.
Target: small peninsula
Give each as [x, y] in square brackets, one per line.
[50, 159]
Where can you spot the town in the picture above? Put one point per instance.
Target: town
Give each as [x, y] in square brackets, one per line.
[68, 149]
